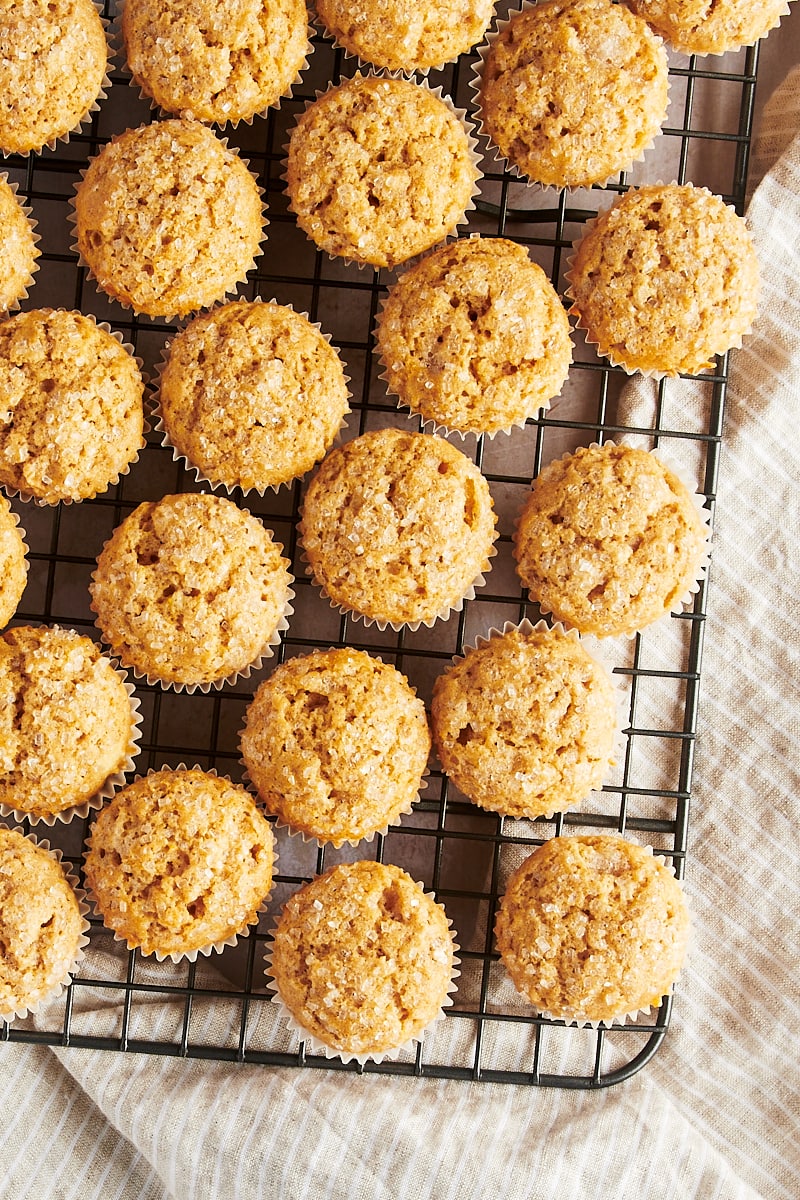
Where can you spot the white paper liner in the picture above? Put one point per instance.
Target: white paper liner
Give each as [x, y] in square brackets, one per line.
[315, 1046]
[510, 167]
[25, 552]
[24, 1009]
[526, 627]
[213, 947]
[43, 502]
[111, 784]
[472, 143]
[128, 305]
[118, 42]
[686, 597]
[26, 211]
[632, 1015]
[93, 108]
[733, 343]
[178, 457]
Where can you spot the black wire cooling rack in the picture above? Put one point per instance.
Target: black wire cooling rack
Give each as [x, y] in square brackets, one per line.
[219, 1008]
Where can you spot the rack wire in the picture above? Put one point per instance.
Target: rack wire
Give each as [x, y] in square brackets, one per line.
[220, 1009]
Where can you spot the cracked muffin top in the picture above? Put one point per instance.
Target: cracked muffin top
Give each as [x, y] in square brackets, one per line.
[700, 27]
[406, 37]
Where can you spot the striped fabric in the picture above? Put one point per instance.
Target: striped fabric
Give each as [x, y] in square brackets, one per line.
[714, 1115]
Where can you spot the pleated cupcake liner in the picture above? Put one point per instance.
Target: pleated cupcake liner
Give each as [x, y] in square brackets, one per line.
[27, 212]
[221, 944]
[607, 351]
[110, 785]
[178, 456]
[25, 549]
[28, 497]
[472, 145]
[22, 1009]
[506, 163]
[128, 305]
[118, 42]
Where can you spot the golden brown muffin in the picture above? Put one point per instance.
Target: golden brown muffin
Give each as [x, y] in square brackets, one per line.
[398, 527]
[41, 925]
[573, 91]
[525, 723]
[406, 37]
[592, 928]
[379, 169]
[215, 60]
[52, 70]
[697, 27]
[665, 279]
[363, 959]
[609, 540]
[474, 337]
[191, 590]
[179, 862]
[18, 248]
[252, 394]
[13, 562]
[66, 721]
[71, 414]
[336, 743]
[168, 218]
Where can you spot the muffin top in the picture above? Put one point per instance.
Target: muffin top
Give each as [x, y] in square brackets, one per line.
[41, 926]
[336, 742]
[168, 218]
[190, 590]
[397, 526]
[363, 958]
[406, 37]
[379, 169]
[609, 540]
[525, 723]
[252, 394]
[71, 416]
[474, 336]
[215, 60]
[13, 563]
[52, 70]
[695, 27]
[592, 928]
[665, 279]
[179, 861]
[18, 248]
[66, 722]
[573, 91]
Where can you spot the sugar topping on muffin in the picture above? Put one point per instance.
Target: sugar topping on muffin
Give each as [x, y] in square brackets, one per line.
[18, 248]
[697, 27]
[13, 562]
[406, 37]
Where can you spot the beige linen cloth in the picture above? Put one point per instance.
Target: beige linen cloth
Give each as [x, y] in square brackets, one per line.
[715, 1113]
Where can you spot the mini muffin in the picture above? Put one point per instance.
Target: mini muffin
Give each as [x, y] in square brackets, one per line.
[363, 960]
[398, 527]
[525, 723]
[665, 279]
[573, 91]
[41, 925]
[13, 562]
[215, 61]
[592, 928]
[52, 70]
[252, 394]
[180, 862]
[337, 743]
[610, 540]
[67, 725]
[379, 169]
[406, 37]
[191, 591]
[71, 413]
[168, 218]
[697, 27]
[474, 337]
[18, 248]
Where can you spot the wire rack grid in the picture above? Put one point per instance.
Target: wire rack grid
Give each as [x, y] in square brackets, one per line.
[220, 1009]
